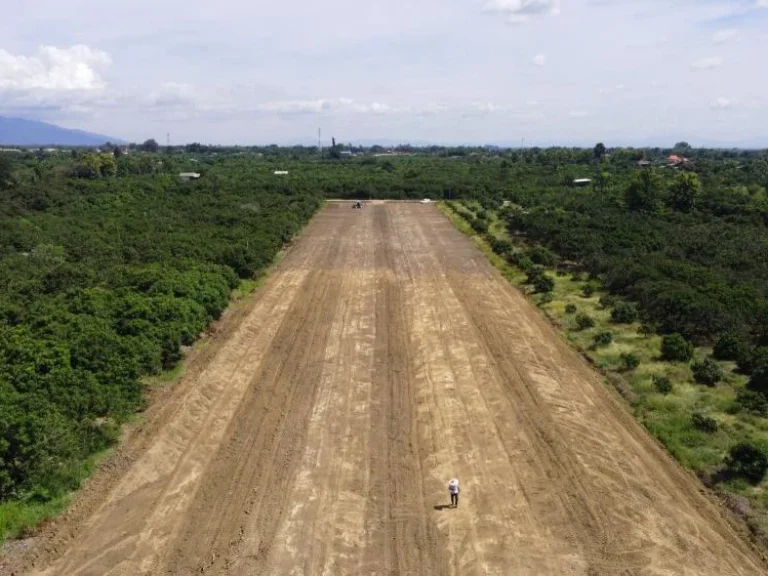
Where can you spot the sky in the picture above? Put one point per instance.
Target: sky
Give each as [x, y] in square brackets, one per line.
[551, 72]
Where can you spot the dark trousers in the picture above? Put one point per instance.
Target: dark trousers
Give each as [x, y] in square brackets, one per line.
[454, 499]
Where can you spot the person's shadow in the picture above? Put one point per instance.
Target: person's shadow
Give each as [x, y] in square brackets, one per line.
[442, 506]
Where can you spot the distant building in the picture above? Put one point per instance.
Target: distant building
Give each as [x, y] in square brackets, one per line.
[582, 182]
[187, 176]
[281, 172]
[643, 163]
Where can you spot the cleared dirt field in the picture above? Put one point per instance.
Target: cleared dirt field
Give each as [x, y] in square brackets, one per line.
[382, 358]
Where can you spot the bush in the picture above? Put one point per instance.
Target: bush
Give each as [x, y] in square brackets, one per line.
[630, 361]
[588, 290]
[646, 330]
[747, 460]
[546, 298]
[675, 348]
[544, 284]
[662, 384]
[729, 347]
[704, 423]
[534, 274]
[608, 301]
[584, 321]
[759, 380]
[541, 255]
[602, 339]
[707, 372]
[500, 246]
[520, 260]
[624, 313]
[570, 308]
[750, 358]
[754, 402]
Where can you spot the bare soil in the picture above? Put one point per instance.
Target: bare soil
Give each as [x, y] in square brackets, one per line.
[318, 432]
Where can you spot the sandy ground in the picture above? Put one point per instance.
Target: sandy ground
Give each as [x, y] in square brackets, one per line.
[318, 433]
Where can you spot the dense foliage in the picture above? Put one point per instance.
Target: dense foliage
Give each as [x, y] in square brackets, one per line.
[103, 279]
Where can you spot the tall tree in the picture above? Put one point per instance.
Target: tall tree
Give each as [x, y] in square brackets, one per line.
[599, 151]
[685, 191]
[150, 145]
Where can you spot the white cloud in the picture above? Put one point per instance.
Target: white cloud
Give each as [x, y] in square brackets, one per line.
[324, 105]
[722, 103]
[54, 69]
[540, 59]
[761, 4]
[707, 63]
[723, 36]
[522, 10]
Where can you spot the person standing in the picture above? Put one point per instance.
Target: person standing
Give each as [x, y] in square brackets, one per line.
[453, 490]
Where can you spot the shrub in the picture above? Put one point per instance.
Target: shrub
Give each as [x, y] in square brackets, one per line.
[570, 308]
[748, 461]
[534, 274]
[603, 339]
[500, 246]
[707, 372]
[588, 290]
[520, 260]
[584, 321]
[546, 298]
[630, 361]
[624, 313]
[646, 330]
[759, 380]
[544, 283]
[675, 348]
[704, 423]
[541, 255]
[662, 384]
[729, 347]
[750, 358]
[608, 301]
[754, 402]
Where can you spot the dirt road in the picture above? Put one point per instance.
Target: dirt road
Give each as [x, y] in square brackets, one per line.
[382, 358]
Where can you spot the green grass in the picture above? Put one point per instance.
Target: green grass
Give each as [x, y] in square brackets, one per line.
[18, 516]
[668, 418]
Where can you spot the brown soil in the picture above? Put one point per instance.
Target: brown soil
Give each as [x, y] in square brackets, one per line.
[317, 434]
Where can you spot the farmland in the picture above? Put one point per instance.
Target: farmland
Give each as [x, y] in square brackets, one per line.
[318, 426]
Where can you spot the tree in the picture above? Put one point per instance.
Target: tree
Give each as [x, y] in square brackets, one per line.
[624, 313]
[729, 347]
[675, 348]
[150, 146]
[6, 173]
[334, 152]
[746, 459]
[684, 192]
[707, 372]
[599, 151]
[642, 193]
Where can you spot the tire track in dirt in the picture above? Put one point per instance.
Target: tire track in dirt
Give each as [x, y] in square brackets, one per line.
[259, 456]
[400, 538]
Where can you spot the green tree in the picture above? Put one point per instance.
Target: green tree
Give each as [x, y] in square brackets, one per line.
[707, 372]
[684, 192]
[746, 459]
[599, 151]
[150, 145]
[6, 173]
[643, 192]
[675, 348]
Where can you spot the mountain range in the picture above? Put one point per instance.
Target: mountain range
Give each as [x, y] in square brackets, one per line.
[22, 132]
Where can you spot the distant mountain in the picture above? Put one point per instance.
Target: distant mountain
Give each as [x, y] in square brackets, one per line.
[21, 132]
